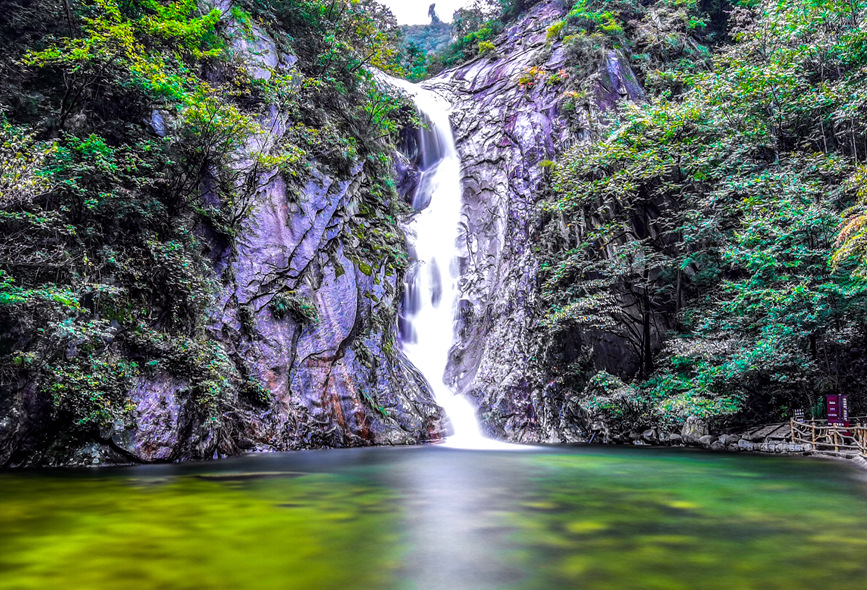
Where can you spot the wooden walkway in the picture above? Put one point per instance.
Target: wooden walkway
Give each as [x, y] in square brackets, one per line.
[840, 441]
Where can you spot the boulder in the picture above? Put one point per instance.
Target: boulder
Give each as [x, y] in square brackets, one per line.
[650, 436]
[693, 429]
[707, 440]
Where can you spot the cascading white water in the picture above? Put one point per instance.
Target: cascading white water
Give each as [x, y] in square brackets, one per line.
[431, 291]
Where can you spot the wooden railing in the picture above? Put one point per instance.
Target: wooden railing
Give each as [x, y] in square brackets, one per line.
[830, 439]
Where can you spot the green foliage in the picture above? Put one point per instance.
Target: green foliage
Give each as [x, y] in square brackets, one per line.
[555, 30]
[474, 27]
[659, 36]
[427, 38]
[91, 392]
[701, 229]
[585, 17]
[243, 18]
[486, 48]
[529, 78]
[558, 78]
[466, 47]
[295, 306]
[128, 49]
[253, 390]
[851, 243]
[335, 40]
[415, 62]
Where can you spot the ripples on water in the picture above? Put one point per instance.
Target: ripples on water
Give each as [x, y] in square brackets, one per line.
[432, 518]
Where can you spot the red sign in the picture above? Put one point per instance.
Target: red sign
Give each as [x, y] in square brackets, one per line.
[838, 409]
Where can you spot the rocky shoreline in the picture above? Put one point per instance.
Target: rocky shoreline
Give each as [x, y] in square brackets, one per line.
[769, 439]
[772, 438]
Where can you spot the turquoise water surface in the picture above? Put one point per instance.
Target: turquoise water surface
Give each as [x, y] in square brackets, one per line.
[437, 518]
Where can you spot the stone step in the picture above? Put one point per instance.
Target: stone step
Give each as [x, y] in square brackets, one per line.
[763, 432]
[782, 432]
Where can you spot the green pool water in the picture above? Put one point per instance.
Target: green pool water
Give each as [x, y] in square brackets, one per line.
[437, 518]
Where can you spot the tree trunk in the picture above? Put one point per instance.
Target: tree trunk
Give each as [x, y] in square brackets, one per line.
[646, 345]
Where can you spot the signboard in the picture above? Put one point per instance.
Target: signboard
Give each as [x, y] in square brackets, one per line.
[838, 409]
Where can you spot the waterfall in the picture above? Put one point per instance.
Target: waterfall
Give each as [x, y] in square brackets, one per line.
[431, 289]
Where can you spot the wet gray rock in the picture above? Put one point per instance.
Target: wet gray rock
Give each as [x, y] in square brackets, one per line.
[158, 407]
[158, 123]
[651, 436]
[504, 132]
[406, 177]
[572, 426]
[336, 380]
[693, 430]
[707, 440]
[616, 83]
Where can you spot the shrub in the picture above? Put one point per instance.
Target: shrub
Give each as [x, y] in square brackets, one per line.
[295, 306]
[487, 49]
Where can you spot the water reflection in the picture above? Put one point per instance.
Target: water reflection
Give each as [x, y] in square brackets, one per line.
[454, 520]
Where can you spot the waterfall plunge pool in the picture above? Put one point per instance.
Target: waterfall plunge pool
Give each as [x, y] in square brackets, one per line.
[441, 518]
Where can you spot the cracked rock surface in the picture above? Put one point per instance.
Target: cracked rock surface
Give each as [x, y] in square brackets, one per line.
[508, 120]
[336, 380]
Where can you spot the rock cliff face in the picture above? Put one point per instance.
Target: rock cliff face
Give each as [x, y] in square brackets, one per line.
[332, 372]
[316, 333]
[334, 380]
[509, 120]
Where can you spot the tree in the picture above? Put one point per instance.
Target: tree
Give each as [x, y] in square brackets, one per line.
[716, 209]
